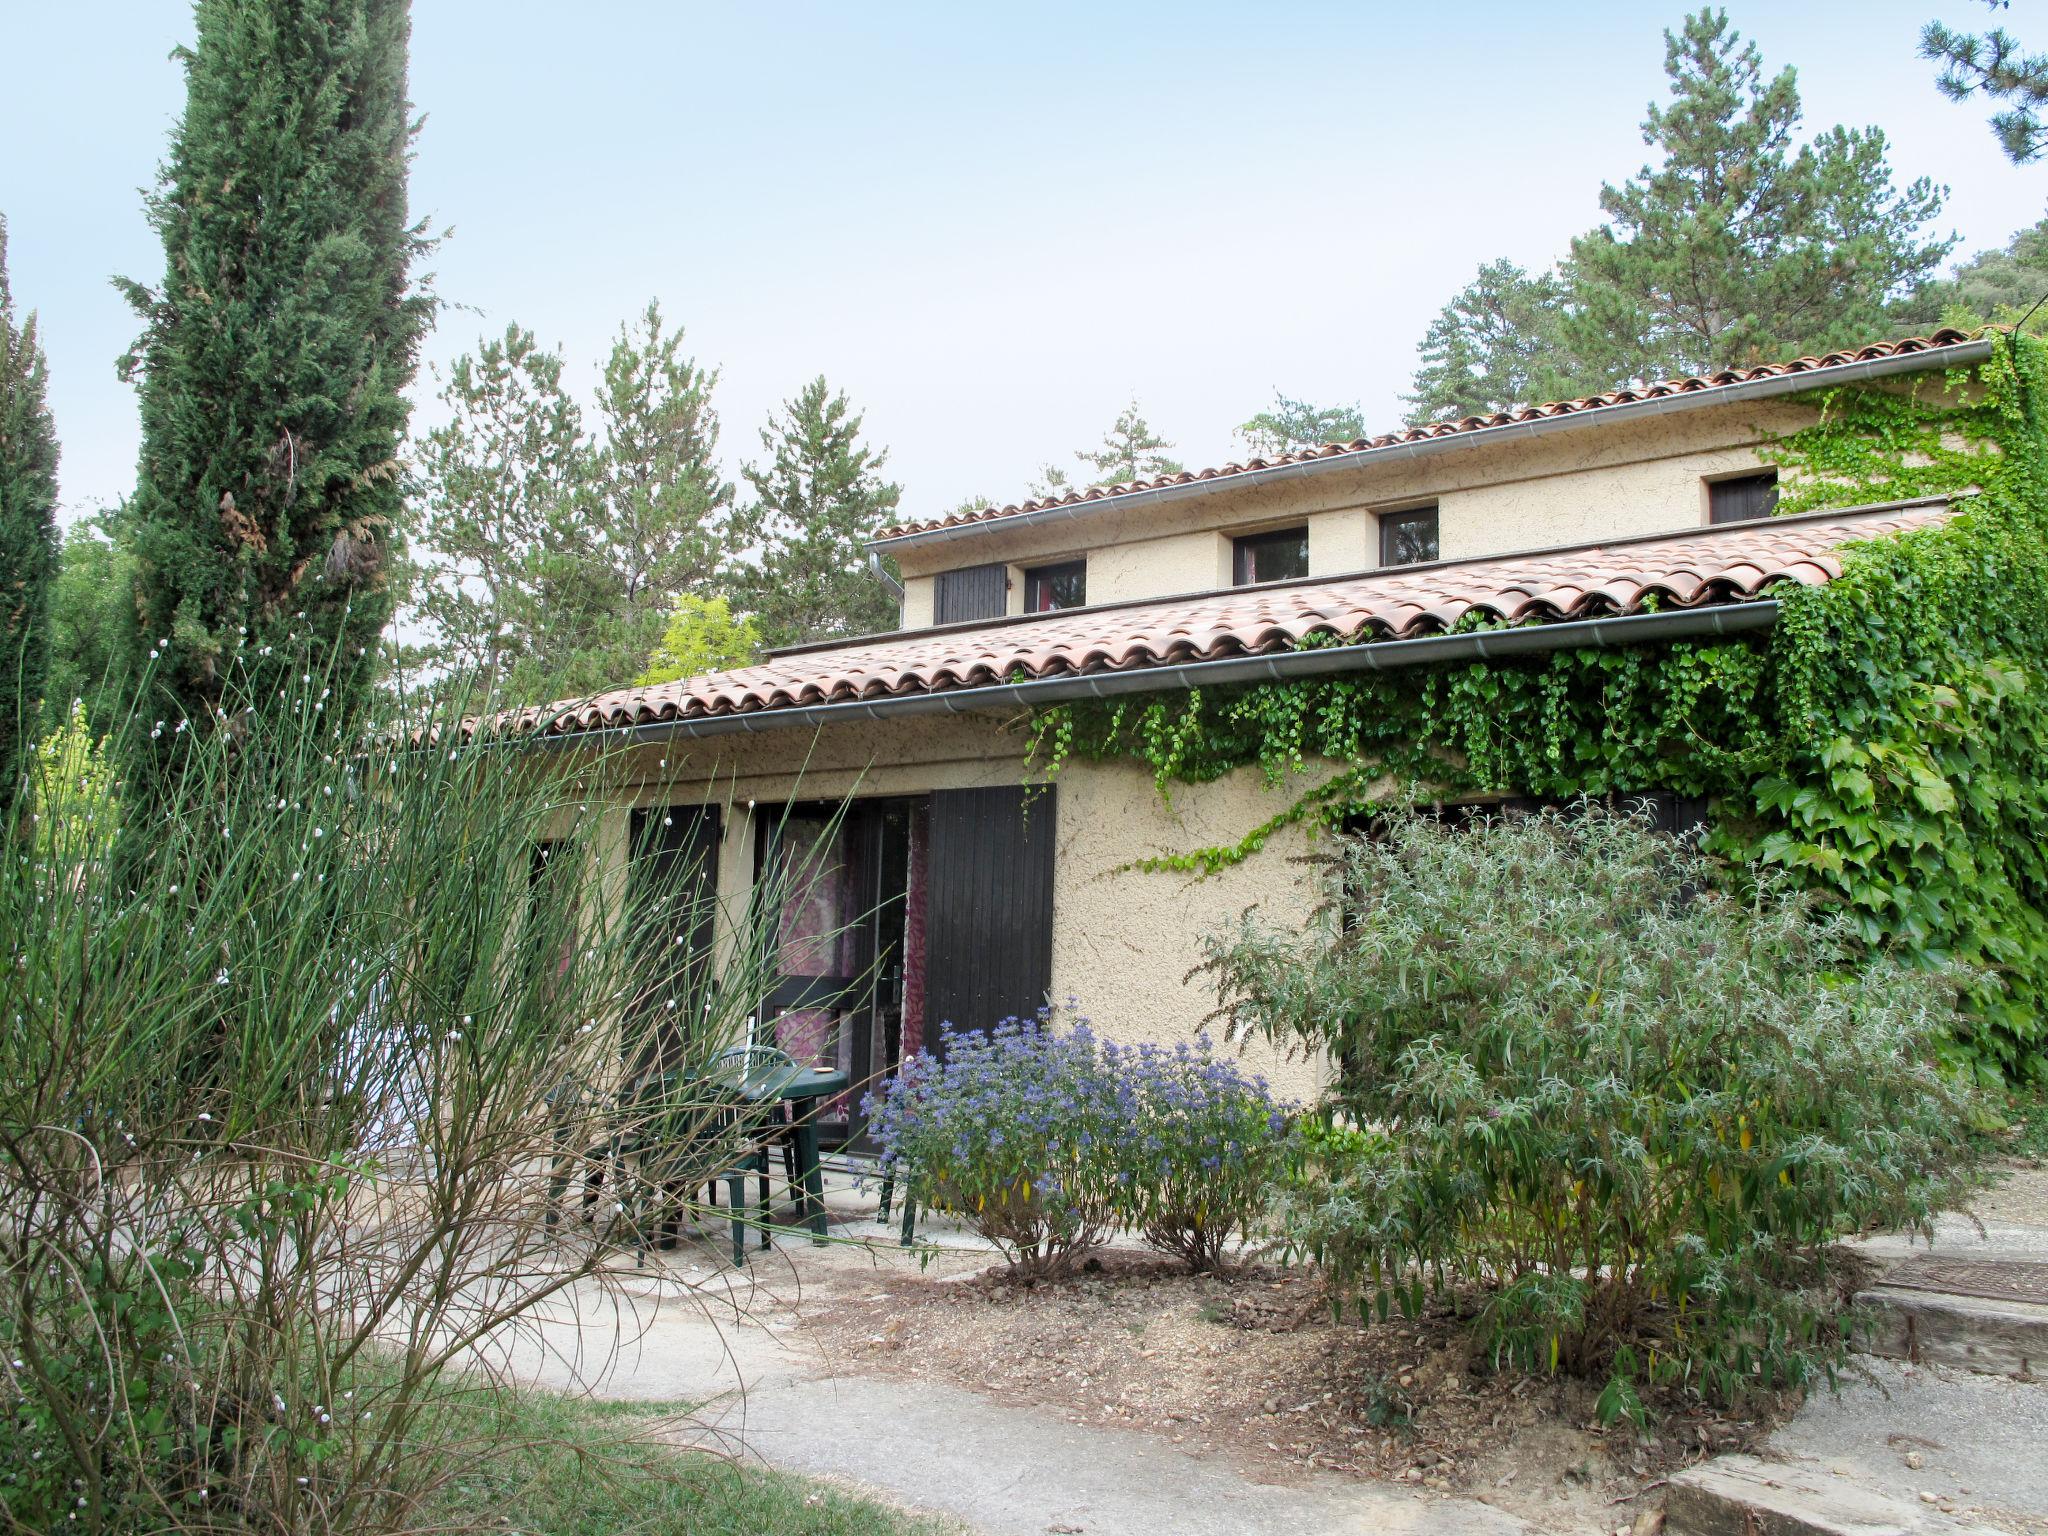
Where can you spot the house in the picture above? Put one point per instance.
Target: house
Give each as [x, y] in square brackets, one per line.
[975, 889]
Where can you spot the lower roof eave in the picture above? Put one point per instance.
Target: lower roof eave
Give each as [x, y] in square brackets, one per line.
[1368, 656]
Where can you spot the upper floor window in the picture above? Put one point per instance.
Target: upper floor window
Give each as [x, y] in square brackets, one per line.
[1743, 499]
[977, 592]
[1408, 537]
[1047, 587]
[1277, 556]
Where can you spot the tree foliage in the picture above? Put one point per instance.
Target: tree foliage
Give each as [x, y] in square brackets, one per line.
[702, 636]
[1736, 245]
[502, 480]
[661, 526]
[274, 359]
[1994, 66]
[2002, 286]
[1739, 247]
[1291, 426]
[1501, 341]
[562, 561]
[28, 535]
[1130, 450]
[817, 498]
[92, 609]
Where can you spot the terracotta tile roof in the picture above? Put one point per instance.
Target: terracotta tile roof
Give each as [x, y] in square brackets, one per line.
[1945, 337]
[1728, 564]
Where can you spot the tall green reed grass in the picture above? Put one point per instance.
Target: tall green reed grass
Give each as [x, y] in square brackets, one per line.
[289, 1073]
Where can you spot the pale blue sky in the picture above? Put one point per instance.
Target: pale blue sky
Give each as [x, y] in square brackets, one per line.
[991, 226]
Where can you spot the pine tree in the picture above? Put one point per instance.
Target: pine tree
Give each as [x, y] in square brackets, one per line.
[504, 588]
[1294, 425]
[816, 501]
[1130, 450]
[1995, 66]
[660, 515]
[1498, 343]
[556, 559]
[273, 364]
[28, 536]
[1738, 247]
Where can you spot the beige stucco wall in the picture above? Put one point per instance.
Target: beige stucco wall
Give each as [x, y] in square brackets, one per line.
[920, 595]
[1605, 480]
[1123, 940]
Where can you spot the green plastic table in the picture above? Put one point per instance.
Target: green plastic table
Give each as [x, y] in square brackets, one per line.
[802, 1088]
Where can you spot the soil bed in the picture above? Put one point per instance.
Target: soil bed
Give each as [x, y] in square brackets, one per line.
[1251, 1367]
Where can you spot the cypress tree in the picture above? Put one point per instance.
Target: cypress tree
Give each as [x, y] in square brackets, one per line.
[272, 367]
[28, 534]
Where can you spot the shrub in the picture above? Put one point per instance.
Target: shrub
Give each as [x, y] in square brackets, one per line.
[1632, 1111]
[280, 1102]
[1016, 1129]
[1049, 1139]
[1195, 1168]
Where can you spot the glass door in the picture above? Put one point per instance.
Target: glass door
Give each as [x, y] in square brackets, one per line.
[839, 876]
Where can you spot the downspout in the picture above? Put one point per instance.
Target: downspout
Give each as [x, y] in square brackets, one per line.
[881, 573]
[1369, 656]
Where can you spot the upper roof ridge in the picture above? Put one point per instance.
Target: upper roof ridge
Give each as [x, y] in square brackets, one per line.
[1946, 336]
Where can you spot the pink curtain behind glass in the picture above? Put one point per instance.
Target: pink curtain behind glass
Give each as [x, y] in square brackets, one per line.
[813, 937]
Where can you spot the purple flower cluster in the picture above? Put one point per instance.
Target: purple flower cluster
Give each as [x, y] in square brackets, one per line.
[1049, 1138]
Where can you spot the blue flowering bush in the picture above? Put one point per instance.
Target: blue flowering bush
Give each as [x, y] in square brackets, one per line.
[1049, 1139]
[1201, 1153]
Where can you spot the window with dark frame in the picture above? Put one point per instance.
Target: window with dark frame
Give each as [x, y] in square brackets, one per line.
[1051, 587]
[1278, 556]
[1409, 536]
[1743, 499]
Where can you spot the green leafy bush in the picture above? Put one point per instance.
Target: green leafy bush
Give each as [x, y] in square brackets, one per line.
[1630, 1112]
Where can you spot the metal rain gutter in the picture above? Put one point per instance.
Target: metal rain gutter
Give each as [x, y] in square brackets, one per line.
[1962, 352]
[1370, 656]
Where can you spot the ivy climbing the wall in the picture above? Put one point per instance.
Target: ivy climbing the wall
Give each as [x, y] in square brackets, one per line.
[1886, 742]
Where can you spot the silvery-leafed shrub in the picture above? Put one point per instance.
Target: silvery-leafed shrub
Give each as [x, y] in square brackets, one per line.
[1629, 1107]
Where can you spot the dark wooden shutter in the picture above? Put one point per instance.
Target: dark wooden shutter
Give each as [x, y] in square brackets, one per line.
[978, 592]
[988, 922]
[674, 892]
[1743, 500]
